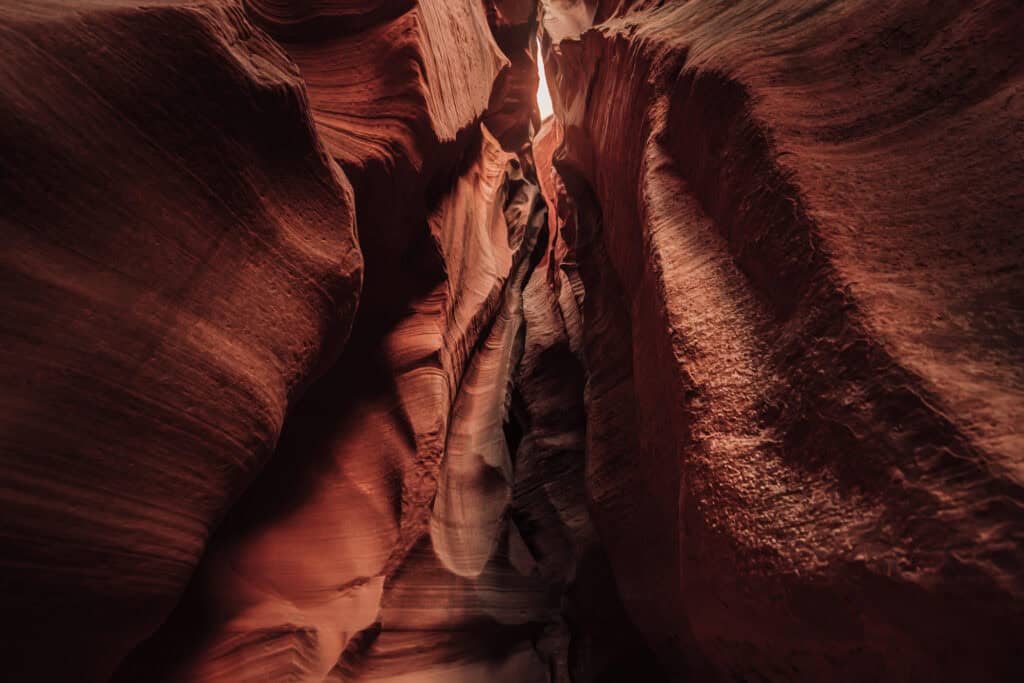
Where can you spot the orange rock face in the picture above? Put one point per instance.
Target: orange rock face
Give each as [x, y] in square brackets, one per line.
[795, 231]
[324, 359]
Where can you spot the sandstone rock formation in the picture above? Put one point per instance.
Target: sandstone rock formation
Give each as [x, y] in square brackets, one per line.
[796, 230]
[173, 277]
[324, 359]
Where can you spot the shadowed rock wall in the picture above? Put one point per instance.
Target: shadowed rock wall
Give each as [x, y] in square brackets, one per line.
[325, 360]
[796, 229]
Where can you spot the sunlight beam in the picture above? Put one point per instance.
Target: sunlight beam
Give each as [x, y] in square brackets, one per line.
[543, 96]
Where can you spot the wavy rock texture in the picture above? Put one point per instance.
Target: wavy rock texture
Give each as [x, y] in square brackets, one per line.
[172, 277]
[302, 560]
[325, 360]
[802, 328]
[376, 545]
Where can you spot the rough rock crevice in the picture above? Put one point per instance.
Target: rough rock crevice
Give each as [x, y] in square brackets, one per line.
[326, 359]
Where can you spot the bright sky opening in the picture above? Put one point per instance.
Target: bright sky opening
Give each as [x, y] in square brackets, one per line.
[543, 96]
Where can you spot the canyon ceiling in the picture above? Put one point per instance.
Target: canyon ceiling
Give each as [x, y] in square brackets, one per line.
[325, 358]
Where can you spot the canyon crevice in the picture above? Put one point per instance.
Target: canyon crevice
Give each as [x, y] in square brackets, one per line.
[326, 357]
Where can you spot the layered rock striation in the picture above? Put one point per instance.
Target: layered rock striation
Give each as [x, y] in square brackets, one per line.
[324, 359]
[275, 167]
[174, 276]
[795, 229]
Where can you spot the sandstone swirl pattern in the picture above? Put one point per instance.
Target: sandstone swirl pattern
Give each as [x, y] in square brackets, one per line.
[325, 359]
[173, 275]
[795, 225]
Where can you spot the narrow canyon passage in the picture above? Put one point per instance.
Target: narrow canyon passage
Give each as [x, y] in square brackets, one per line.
[511, 341]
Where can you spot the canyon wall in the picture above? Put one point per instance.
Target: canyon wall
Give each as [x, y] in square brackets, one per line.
[325, 359]
[179, 262]
[796, 225]
[267, 266]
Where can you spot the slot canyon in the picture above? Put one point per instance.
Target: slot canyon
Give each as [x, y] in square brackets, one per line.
[330, 354]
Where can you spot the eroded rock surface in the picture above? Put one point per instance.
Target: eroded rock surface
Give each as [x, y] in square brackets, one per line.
[172, 277]
[326, 360]
[795, 228]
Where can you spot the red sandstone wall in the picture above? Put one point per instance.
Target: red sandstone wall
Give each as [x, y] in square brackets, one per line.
[795, 228]
[324, 360]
